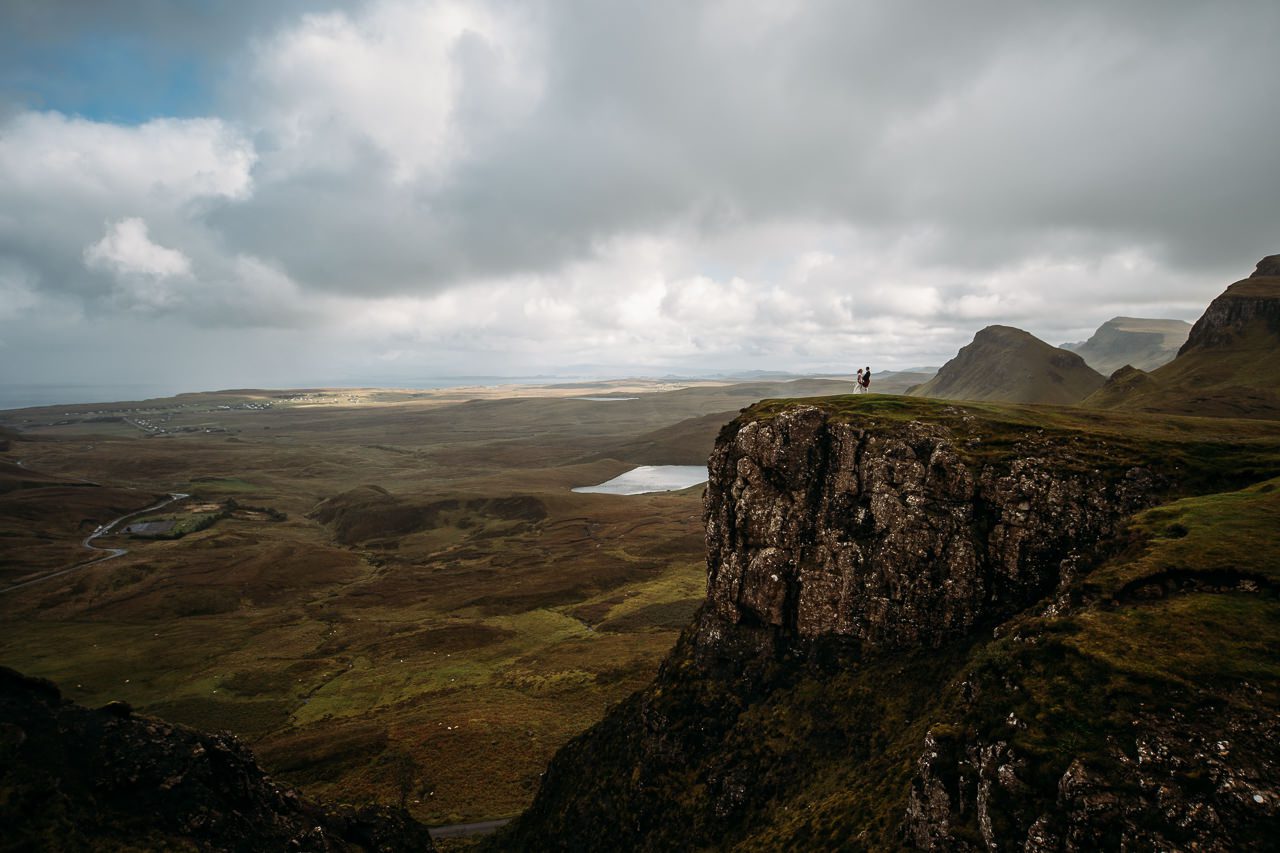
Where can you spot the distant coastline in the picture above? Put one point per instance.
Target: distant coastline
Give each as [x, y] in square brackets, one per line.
[21, 396]
[27, 395]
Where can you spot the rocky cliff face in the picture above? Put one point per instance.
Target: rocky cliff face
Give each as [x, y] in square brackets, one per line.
[72, 778]
[1179, 783]
[1248, 306]
[895, 538]
[1268, 267]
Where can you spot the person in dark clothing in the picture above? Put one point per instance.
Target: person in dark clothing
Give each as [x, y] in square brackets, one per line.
[865, 379]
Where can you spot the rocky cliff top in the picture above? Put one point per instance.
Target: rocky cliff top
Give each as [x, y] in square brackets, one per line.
[1226, 368]
[73, 778]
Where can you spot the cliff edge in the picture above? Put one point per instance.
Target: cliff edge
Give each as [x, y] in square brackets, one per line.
[952, 627]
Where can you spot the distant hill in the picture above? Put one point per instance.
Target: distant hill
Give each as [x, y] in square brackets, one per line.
[1229, 366]
[1009, 365]
[1135, 341]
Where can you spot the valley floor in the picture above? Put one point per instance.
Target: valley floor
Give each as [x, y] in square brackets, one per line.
[388, 595]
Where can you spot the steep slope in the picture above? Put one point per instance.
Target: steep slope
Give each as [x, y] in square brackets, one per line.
[1227, 367]
[842, 686]
[1134, 341]
[1010, 365]
[72, 778]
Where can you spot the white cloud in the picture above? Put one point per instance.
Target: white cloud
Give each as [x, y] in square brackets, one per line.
[397, 77]
[127, 250]
[143, 272]
[167, 162]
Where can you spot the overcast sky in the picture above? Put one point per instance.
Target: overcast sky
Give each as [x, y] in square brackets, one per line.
[223, 194]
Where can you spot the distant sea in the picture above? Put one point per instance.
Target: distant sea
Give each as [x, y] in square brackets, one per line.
[23, 396]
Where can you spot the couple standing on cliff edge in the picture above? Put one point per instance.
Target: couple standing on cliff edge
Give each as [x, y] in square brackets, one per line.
[863, 383]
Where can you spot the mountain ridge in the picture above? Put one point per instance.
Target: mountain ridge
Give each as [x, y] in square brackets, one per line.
[1225, 367]
[1007, 364]
[1139, 342]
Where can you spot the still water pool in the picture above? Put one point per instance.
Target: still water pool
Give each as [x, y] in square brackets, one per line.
[651, 478]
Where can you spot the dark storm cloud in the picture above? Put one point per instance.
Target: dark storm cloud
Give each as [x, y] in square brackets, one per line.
[1007, 129]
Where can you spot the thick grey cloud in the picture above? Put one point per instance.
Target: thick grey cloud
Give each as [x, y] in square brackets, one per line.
[1007, 129]
[827, 176]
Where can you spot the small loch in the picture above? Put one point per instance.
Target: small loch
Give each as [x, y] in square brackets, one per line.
[651, 478]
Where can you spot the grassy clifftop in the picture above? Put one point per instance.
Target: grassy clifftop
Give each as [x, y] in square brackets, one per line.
[1200, 453]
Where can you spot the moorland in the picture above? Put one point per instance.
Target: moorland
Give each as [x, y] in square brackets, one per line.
[390, 596]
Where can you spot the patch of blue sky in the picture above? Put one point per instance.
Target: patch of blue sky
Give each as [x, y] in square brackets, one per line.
[109, 78]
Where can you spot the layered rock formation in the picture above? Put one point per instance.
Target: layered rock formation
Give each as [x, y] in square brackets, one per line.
[72, 778]
[1009, 365]
[1246, 308]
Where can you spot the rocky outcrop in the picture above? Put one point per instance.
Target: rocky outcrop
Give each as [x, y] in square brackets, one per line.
[1207, 782]
[1267, 267]
[939, 627]
[894, 537]
[1246, 308]
[72, 778]
[852, 560]
[1226, 368]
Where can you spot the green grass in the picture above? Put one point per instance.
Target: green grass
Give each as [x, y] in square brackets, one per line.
[1224, 532]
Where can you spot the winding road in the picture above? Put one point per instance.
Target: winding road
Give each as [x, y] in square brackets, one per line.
[107, 553]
